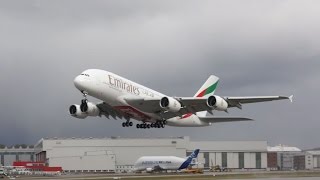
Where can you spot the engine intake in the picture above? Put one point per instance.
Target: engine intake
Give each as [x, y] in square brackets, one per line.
[149, 170]
[217, 103]
[84, 110]
[170, 104]
[75, 111]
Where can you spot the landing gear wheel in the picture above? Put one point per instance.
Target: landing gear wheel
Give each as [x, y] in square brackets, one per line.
[138, 126]
[123, 124]
[84, 105]
[148, 126]
[130, 124]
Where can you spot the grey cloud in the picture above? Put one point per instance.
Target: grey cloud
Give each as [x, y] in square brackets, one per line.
[256, 48]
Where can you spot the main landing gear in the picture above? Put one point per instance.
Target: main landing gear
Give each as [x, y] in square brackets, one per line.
[158, 124]
[127, 124]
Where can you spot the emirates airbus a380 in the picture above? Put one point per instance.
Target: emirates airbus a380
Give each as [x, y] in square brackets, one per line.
[124, 99]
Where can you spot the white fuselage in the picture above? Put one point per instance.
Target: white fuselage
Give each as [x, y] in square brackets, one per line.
[154, 163]
[112, 89]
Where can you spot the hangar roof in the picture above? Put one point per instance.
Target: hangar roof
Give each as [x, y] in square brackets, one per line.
[283, 148]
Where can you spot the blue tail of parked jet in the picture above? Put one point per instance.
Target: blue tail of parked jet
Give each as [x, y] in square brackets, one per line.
[188, 161]
[194, 154]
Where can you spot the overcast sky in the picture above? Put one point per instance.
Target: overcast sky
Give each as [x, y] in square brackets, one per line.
[255, 47]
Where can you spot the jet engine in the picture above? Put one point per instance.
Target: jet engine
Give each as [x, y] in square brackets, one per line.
[217, 103]
[170, 104]
[75, 111]
[149, 170]
[84, 110]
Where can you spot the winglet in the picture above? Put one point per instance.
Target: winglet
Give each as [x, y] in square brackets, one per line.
[291, 98]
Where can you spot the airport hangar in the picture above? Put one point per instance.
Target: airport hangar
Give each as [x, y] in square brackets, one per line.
[117, 154]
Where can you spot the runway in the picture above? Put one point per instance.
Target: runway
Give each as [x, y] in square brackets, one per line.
[287, 175]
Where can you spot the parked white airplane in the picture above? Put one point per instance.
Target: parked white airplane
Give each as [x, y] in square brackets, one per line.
[160, 163]
[122, 98]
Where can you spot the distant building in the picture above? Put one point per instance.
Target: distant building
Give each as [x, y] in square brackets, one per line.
[281, 157]
[231, 154]
[312, 159]
[8, 155]
[119, 154]
[299, 161]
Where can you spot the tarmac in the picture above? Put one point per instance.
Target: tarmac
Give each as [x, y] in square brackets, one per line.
[275, 175]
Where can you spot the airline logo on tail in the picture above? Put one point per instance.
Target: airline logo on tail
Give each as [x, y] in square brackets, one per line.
[208, 88]
[195, 153]
[187, 162]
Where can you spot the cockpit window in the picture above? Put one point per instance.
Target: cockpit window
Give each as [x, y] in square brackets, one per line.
[85, 75]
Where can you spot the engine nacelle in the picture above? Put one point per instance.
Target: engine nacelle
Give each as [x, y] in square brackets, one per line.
[149, 170]
[75, 111]
[170, 104]
[90, 109]
[217, 103]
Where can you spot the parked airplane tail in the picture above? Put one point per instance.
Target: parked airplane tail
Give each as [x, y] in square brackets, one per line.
[188, 161]
[194, 154]
[206, 90]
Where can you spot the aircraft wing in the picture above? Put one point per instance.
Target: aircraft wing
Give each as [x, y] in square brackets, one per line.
[158, 168]
[194, 104]
[237, 101]
[107, 110]
[152, 105]
[223, 119]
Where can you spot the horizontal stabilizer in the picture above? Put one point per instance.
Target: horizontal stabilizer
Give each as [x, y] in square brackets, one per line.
[223, 119]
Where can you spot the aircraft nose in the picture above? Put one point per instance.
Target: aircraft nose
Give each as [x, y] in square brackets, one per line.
[78, 81]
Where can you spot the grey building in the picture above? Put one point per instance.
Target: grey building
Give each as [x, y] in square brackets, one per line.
[231, 154]
[285, 156]
[312, 159]
[9, 155]
[119, 154]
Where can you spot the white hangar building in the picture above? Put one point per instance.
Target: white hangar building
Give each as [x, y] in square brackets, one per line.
[117, 154]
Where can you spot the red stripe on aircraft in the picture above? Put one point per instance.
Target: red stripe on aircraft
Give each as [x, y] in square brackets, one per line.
[133, 111]
[186, 116]
[202, 93]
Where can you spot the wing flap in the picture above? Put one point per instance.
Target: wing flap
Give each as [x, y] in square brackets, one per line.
[107, 110]
[145, 104]
[223, 119]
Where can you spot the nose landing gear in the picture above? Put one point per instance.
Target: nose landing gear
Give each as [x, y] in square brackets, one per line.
[84, 101]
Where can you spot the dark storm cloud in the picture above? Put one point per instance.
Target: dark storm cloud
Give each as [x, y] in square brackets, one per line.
[256, 48]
